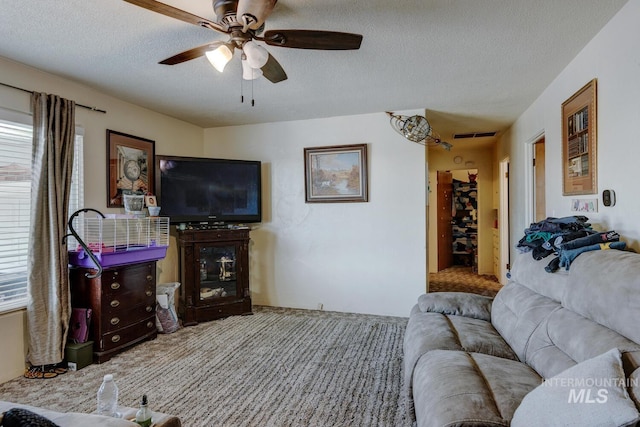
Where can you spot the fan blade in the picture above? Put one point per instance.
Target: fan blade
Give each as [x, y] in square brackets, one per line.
[273, 71]
[190, 54]
[173, 12]
[311, 39]
[254, 12]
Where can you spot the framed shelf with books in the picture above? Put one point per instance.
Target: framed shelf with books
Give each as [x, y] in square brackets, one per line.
[579, 142]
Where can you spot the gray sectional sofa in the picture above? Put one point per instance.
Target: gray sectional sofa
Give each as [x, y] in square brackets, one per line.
[551, 349]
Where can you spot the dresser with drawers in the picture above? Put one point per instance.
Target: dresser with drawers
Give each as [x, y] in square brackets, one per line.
[122, 300]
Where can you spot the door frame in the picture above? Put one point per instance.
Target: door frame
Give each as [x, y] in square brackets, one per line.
[530, 182]
[539, 164]
[503, 222]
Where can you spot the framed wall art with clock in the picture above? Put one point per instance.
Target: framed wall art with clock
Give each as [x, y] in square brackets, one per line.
[130, 161]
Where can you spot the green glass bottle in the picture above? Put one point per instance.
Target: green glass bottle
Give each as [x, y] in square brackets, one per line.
[143, 416]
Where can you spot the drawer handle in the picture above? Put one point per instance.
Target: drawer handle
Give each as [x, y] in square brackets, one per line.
[149, 293]
[115, 303]
[115, 321]
[115, 285]
[115, 338]
[150, 324]
[149, 308]
[149, 278]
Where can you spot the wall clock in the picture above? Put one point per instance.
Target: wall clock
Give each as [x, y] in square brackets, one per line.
[132, 170]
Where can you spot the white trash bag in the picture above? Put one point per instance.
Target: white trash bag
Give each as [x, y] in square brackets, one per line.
[166, 316]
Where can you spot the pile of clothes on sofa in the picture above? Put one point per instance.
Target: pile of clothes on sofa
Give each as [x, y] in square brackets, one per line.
[565, 238]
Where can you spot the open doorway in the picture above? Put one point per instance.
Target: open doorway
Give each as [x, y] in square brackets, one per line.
[457, 222]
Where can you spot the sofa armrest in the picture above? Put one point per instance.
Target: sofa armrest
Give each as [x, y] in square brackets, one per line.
[457, 304]
[76, 419]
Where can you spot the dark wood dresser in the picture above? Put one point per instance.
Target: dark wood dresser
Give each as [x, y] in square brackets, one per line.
[123, 301]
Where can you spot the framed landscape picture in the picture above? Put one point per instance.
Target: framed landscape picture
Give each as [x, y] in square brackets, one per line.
[336, 174]
[129, 167]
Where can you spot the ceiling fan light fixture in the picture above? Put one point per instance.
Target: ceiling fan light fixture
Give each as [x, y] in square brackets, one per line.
[257, 56]
[219, 57]
[249, 73]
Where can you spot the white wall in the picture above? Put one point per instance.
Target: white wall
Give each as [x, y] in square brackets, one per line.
[351, 257]
[171, 136]
[614, 59]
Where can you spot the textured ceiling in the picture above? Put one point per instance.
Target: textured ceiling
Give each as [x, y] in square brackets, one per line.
[475, 65]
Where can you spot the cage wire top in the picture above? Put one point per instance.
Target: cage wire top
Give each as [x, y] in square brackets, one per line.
[416, 129]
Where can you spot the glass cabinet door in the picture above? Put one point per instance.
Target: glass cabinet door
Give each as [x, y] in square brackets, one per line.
[217, 272]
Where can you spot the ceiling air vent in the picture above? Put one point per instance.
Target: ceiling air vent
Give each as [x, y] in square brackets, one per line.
[474, 135]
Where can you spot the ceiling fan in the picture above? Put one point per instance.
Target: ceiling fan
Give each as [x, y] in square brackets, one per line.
[243, 21]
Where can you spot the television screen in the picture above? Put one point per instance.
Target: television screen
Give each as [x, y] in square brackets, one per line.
[191, 189]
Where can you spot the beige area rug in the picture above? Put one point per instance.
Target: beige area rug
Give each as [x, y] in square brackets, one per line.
[278, 367]
[463, 279]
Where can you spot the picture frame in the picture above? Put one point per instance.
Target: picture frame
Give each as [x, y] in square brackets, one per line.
[579, 141]
[336, 173]
[130, 166]
[150, 200]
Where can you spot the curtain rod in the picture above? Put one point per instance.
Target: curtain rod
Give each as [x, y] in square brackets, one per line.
[79, 105]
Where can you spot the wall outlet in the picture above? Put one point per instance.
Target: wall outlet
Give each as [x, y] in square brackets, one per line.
[320, 305]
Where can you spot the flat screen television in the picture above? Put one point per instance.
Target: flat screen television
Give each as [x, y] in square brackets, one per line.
[192, 189]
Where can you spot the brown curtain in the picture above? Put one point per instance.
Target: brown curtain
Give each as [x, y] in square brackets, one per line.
[49, 304]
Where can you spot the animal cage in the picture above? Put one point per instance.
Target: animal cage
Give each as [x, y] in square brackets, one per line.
[118, 240]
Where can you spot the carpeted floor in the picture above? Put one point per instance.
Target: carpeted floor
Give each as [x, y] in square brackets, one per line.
[279, 367]
[463, 279]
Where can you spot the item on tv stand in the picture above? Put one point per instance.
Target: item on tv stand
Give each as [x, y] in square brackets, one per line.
[206, 226]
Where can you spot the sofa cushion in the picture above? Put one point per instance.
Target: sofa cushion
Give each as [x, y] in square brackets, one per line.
[531, 273]
[604, 286]
[590, 393]
[456, 388]
[566, 338]
[516, 312]
[457, 303]
[434, 331]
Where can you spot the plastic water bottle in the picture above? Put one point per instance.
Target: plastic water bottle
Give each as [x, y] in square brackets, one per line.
[108, 397]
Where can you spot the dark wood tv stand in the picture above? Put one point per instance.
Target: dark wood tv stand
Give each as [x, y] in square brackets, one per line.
[214, 272]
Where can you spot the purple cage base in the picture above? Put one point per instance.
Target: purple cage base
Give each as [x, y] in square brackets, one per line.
[112, 259]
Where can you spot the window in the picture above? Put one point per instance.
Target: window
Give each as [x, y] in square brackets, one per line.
[15, 195]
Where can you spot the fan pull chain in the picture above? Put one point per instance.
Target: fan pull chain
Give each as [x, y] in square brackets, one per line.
[253, 102]
[241, 90]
